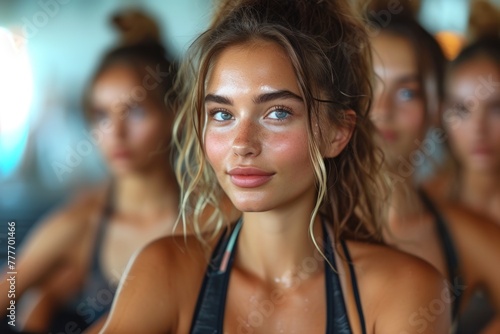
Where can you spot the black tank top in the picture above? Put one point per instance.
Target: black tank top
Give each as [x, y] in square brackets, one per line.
[209, 313]
[452, 263]
[97, 294]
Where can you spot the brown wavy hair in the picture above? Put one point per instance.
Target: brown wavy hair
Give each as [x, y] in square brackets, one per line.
[329, 50]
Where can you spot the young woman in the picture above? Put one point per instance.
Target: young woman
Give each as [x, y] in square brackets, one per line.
[275, 115]
[460, 244]
[76, 256]
[471, 119]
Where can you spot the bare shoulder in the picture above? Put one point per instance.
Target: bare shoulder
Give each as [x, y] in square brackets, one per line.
[70, 223]
[386, 266]
[182, 253]
[465, 221]
[159, 291]
[87, 204]
[396, 286]
[78, 209]
[474, 234]
[440, 186]
[476, 238]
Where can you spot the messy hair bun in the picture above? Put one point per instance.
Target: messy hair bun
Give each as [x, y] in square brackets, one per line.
[139, 48]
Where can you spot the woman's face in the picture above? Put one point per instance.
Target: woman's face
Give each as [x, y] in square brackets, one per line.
[398, 108]
[131, 128]
[472, 114]
[256, 136]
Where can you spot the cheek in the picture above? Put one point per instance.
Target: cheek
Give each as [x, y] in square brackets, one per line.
[494, 130]
[291, 149]
[101, 134]
[150, 131]
[411, 122]
[216, 147]
[458, 135]
[412, 119]
[495, 140]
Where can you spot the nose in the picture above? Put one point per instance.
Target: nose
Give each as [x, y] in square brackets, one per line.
[382, 108]
[247, 139]
[118, 128]
[479, 122]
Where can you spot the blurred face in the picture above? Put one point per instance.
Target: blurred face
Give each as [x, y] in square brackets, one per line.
[256, 136]
[398, 108]
[472, 114]
[134, 129]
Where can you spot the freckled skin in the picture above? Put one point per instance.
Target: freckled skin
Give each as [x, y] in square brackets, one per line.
[254, 138]
[272, 137]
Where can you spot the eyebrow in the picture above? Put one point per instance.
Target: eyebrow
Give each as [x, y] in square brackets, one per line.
[263, 98]
[408, 78]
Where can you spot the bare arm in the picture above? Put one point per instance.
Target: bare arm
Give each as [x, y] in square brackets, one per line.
[478, 243]
[97, 325]
[493, 326]
[43, 250]
[416, 300]
[144, 302]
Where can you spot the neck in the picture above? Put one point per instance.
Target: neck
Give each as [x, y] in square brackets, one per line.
[480, 190]
[283, 245]
[148, 193]
[405, 201]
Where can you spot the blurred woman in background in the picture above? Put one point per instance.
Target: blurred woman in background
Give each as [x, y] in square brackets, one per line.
[75, 257]
[463, 246]
[471, 118]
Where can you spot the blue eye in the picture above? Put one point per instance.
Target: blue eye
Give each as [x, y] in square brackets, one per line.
[279, 114]
[222, 116]
[406, 94]
[136, 112]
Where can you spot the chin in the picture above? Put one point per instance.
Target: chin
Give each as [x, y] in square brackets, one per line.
[486, 168]
[251, 205]
[123, 169]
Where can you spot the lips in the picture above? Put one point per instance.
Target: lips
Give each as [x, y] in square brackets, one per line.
[388, 135]
[249, 177]
[481, 151]
[120, 154]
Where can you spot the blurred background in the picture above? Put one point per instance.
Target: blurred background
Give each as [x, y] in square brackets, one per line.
[48, 50]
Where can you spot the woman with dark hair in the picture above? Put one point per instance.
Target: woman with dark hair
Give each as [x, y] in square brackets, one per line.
[274, 114]
[462, 245]
[75, 257]
[471, 119]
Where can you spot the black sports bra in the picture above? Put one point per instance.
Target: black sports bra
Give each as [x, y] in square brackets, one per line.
[209, 313]
[78, 310]
[450, 254]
